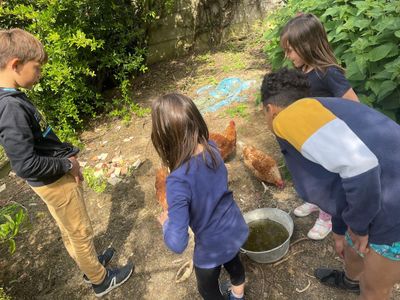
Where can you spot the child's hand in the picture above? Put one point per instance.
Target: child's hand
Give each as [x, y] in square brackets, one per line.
[76, 169]
[339, 244]
[163, 217]
[360, 242]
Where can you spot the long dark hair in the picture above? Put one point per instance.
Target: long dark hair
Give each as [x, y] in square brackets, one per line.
[177, 129]
[306, 35]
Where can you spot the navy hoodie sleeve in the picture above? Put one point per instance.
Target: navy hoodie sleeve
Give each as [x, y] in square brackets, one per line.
[17, 139]
[175, 229]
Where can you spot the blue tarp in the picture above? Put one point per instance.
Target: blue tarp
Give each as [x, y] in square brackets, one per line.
[210, 98]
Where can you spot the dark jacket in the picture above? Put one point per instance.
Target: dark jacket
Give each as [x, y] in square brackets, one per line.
[35, 152]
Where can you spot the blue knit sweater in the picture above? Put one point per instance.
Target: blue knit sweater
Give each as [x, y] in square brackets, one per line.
[200, 198]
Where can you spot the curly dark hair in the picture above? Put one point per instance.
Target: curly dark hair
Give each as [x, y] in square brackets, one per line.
[283, 87]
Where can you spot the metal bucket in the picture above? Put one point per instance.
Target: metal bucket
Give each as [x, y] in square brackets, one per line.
[276, 215]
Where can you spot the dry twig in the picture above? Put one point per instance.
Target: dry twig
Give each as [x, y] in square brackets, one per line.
[184, 271]
[305, 289]
[287, 258]
[299, 240]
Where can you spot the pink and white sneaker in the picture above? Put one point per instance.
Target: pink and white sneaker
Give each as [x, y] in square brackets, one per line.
[320, 230]
[305, 209]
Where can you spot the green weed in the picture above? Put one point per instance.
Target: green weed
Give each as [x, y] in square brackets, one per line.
[97, 184]
[13, 217]
[237, 111]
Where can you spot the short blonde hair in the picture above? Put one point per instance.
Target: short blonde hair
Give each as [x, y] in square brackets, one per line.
[18, 43]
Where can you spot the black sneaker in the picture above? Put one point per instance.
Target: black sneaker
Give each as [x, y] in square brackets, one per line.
[337, 279]
[104, 259]
[114, 278]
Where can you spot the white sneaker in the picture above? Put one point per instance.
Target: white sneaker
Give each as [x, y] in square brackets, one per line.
[305, 209]
[320, 230]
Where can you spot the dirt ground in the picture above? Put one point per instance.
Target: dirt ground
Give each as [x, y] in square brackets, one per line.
[124, 216]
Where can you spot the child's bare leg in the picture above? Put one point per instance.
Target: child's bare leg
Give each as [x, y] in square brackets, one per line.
[353, 263]
[238, 289]
[379, 276]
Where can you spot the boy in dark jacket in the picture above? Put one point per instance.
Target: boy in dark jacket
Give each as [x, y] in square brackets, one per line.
[343, 157]
[49, 166]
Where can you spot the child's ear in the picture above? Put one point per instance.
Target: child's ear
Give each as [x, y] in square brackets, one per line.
[273, 110]
[14, 63]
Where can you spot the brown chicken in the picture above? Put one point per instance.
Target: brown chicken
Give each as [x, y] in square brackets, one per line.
[226, 142]
[262, 165]
[161, 192]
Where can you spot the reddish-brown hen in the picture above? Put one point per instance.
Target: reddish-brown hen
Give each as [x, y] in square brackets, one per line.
[262, 165]
[226, 142]
[161, 192]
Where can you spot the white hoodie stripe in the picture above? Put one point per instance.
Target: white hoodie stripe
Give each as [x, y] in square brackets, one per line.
[347, 155]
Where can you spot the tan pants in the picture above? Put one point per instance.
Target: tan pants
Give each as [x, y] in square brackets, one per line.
[64, 198]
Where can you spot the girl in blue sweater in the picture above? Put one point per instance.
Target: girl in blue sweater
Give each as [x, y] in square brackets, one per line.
[198, 196]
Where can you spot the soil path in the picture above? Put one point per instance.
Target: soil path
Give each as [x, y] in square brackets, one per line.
[124, 215]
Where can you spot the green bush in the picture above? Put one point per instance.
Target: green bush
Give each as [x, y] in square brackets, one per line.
[12, 219]
[92, 45]
[365, 36]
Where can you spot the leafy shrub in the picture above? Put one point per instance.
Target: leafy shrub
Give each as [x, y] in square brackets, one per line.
[92, 45]
[3, 295]
[12, 219]
[365, 36]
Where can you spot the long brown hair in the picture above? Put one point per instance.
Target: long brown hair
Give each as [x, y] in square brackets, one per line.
[177, 129]
[306, 35]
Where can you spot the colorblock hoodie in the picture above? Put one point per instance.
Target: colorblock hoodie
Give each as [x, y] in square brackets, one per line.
[344, 157]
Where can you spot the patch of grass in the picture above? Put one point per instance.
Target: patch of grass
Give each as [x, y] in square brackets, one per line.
[97, 184]
[237, 111]
[258, 98]
[234, 62]
[204, 58]
[125, 113]
[212, 80]
[286, 176]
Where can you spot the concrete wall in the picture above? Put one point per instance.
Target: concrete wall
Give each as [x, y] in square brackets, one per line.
[203, 24]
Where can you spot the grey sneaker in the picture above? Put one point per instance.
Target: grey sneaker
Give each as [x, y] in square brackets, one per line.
[114, 278]
[104, 259]
[224, 287]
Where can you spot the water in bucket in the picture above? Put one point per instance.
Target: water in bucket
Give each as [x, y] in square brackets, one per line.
[265, 235]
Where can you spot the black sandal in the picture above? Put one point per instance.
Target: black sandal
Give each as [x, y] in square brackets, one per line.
[338, 279]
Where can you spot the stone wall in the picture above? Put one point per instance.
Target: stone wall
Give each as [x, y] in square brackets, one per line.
[203, 24]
